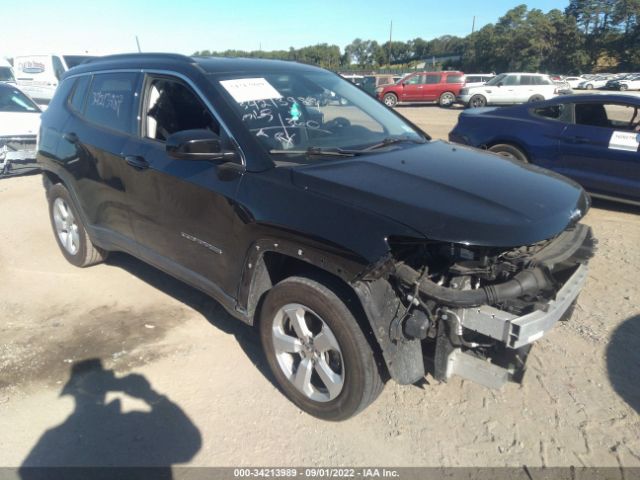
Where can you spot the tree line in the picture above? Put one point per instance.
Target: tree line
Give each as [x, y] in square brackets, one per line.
[588, 36]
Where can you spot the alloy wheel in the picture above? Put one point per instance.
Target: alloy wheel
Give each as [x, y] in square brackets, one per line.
[66, 226]
[308, 353]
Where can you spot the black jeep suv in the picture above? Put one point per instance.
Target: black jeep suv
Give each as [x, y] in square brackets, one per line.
[359, 247]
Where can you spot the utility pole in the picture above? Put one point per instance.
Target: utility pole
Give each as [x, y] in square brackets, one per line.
[473, 25]
[138, 43]
[389, 49]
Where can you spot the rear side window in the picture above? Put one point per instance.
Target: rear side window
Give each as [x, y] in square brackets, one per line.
[553, 112]
[528, 80]
[455, 78]
[76, 101]
[110, 101]
[431, 79]
[511, 80]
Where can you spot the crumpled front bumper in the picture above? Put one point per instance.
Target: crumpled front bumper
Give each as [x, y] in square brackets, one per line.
[515, 333]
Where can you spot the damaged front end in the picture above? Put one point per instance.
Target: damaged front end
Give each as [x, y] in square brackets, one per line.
[475, 311]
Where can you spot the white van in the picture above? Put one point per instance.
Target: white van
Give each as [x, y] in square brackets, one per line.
[39, 75]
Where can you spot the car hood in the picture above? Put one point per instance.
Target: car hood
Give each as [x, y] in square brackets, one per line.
[452, 193]
[19, 123]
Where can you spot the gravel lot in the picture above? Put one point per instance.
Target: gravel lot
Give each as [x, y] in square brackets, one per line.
[182, 382]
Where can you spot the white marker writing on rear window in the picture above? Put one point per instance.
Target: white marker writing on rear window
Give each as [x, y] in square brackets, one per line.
[250, 89]
[628, 141]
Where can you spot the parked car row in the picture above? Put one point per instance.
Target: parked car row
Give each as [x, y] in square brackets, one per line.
[475, 90]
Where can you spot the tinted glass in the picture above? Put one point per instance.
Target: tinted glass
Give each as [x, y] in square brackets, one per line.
[593, 114]
[511, 80]
[6, 75]
[454, 78]
[416, 79]
[431, 79]
[528, 80]
[553, 111]
[13, 100]
[111, 99]
[496, 80]
[172, 107]
[473, 79]
[79, 93]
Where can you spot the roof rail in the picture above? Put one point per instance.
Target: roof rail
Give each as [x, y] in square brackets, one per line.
[142, 56]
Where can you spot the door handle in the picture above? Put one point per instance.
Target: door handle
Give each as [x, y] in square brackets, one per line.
[136, 161]
[71, 137]
[580, 140]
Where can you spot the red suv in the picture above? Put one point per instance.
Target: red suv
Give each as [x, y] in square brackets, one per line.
[441, 87]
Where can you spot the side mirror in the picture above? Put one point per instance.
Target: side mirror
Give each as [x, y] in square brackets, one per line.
[197, 145]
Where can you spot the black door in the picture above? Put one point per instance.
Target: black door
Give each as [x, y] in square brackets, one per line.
[101, 125]
[182, 210]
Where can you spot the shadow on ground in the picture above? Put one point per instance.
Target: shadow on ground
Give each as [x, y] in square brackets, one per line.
[623, 361]
[246, 336]
[99, 434]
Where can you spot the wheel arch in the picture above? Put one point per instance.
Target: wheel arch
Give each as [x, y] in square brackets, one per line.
[271, 266]
[509, 141]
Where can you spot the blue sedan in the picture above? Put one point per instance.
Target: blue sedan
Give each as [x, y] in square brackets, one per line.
[593, 139]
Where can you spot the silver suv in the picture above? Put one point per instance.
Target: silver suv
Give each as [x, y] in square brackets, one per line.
[509, 88]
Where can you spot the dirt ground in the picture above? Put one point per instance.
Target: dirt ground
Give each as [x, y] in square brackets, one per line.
[182, 382]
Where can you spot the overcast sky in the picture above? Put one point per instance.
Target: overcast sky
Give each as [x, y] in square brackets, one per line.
[78, 26]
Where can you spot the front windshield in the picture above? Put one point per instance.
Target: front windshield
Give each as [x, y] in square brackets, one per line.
[496, 80]
[301, 111]
[13, 100]
[6, 75]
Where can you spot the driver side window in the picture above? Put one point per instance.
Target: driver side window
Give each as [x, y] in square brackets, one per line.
[415, 80]
[171, 106]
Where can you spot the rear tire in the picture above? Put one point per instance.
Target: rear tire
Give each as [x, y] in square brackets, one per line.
[477, 101]
[390, 100]
[446, 100]
[293, 316]
[509, 151]
[624, 87]
[69, 231]
[536, 98]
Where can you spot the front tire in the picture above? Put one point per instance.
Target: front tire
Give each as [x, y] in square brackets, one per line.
[477, 101]
[446, 99]
[390, 100]
[509, 151]
[70, 233]
[317, 351]
[589, 87]
[624, 88]
[536, 98]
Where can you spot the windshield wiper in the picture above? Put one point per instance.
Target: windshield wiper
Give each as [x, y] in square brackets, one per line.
[391, 141]
[313, 151]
